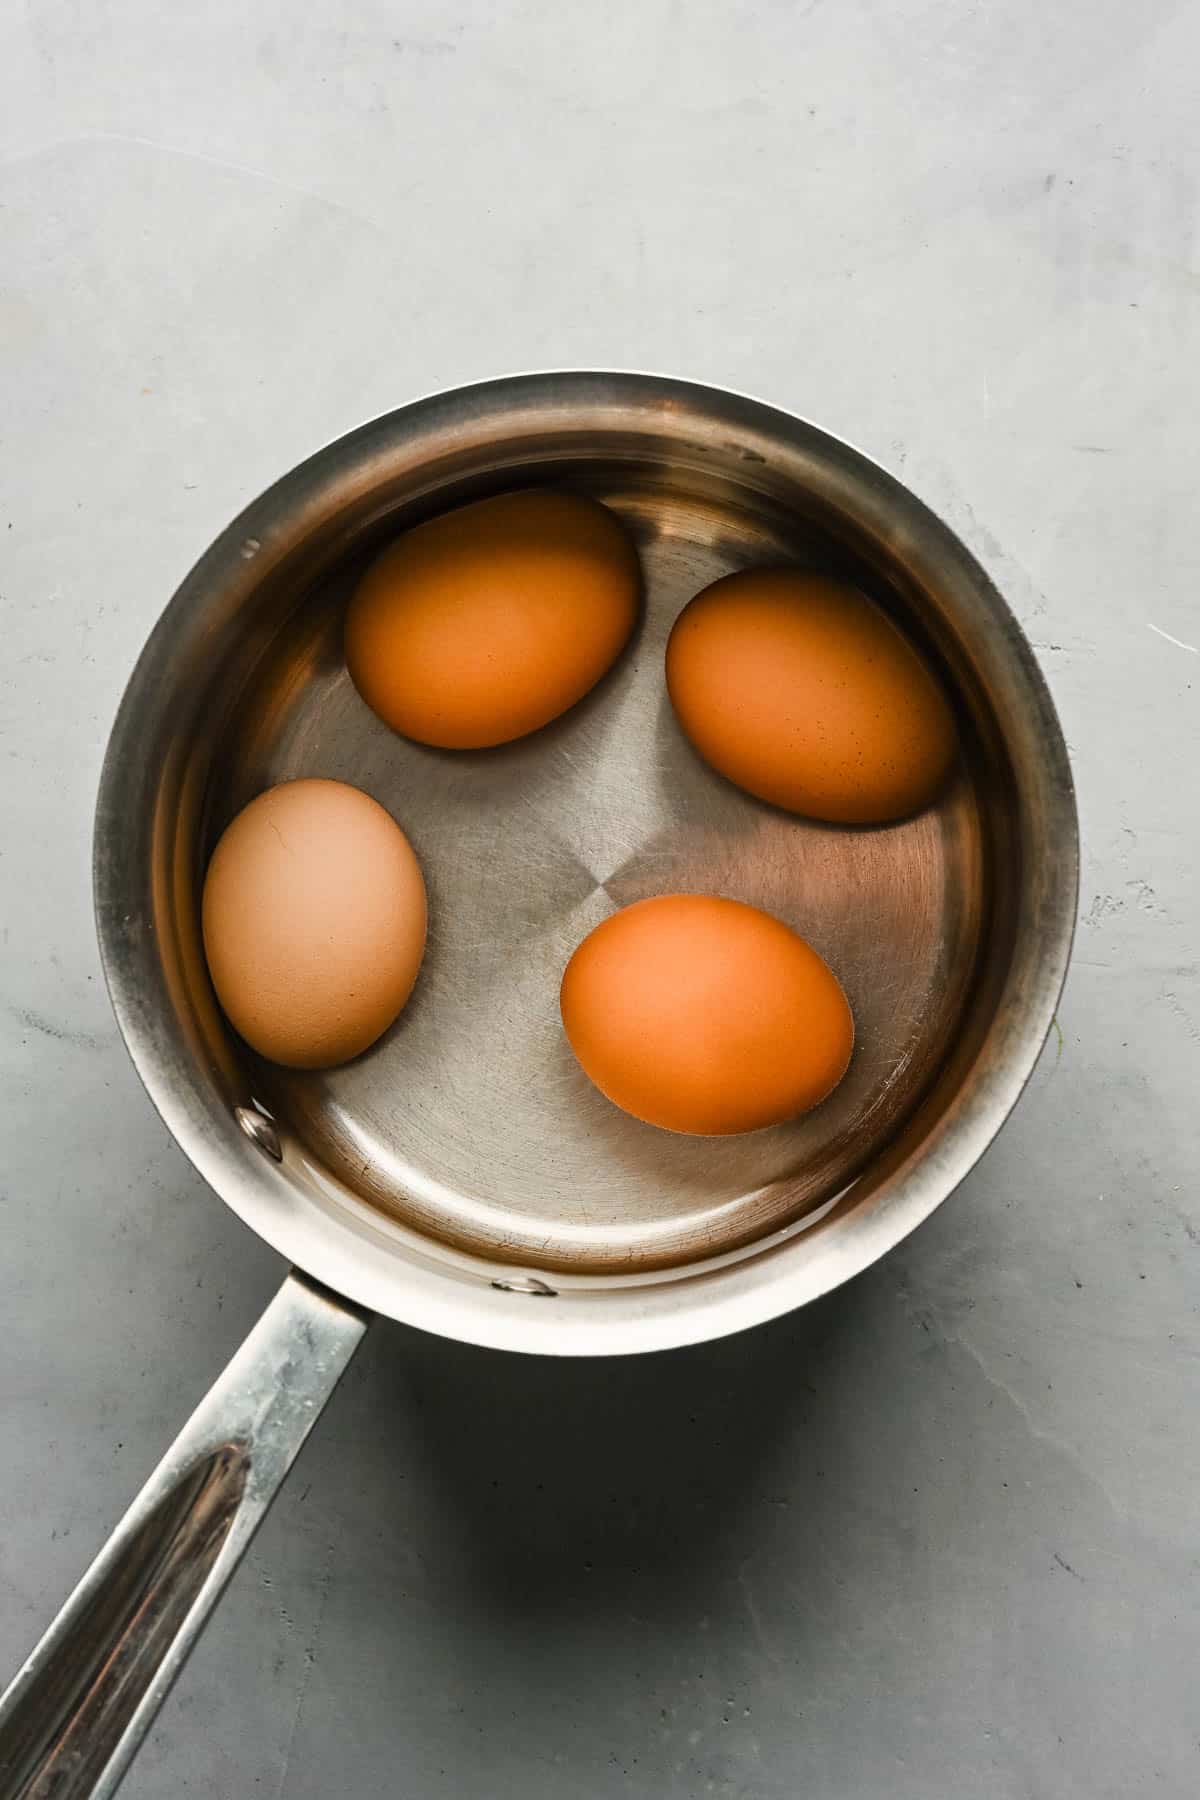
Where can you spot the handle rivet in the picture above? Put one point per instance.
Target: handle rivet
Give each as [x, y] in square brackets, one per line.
[259, 1129]
[525, 1284]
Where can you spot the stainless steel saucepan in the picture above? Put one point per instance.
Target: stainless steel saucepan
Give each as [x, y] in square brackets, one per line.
[463, 1176]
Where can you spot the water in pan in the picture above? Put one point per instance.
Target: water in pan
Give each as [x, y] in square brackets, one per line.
[470, 1120]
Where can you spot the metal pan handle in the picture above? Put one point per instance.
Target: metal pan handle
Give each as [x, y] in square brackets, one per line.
[81, 1705]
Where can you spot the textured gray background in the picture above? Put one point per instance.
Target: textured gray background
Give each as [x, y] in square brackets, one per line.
[938, 1536]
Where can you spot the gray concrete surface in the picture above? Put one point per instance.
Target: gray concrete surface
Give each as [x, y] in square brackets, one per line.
[939, 1536]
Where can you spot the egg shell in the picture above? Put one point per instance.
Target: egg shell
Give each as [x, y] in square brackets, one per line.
[314, 922]
[704, 1015]
[484, 624]
[803, 692]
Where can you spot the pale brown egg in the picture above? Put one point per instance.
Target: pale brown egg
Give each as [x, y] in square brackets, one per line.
[484, 624]
[314, 922]
[705, 1015]
[803, 692]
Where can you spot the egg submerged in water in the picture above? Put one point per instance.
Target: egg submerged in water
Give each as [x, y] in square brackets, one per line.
[802, 691]
[314, 922]
[703, 1015]
[485, 623]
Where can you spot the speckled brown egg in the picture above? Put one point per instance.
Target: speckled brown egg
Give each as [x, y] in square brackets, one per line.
[485, 623]
[314, 922]
[803, 692]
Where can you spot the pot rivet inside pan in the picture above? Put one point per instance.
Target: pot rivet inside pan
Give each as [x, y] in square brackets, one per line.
[259, 1129]
[525, 1284]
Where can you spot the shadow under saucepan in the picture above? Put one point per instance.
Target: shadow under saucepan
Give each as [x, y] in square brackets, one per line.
[664, 1575]
[607, 1486]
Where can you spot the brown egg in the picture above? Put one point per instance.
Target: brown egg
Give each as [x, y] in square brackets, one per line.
[704, 1015]
[803, 692]
[488, 622]
[314, 922]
